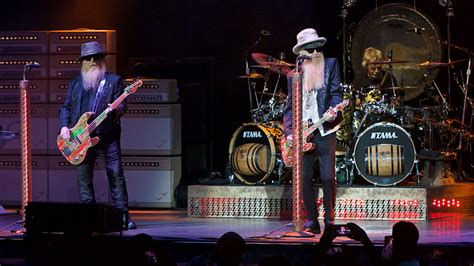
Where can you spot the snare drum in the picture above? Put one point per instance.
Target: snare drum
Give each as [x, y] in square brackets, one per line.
[254, 151]
[384, 154]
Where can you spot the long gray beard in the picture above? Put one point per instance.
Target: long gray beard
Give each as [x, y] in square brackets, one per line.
[92, 78]
[313, 72]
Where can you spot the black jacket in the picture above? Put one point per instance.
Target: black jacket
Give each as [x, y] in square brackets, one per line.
[70, 110]
[329, 95]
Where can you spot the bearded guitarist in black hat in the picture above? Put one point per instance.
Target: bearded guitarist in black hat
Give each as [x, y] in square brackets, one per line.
[93, 91]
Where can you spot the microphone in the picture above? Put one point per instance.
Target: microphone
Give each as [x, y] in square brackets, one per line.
[415, 30]
[304, 57]
[33, 65]
[265, 33]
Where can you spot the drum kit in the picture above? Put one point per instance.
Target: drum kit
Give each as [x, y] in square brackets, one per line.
[254, 150]
[383, 131]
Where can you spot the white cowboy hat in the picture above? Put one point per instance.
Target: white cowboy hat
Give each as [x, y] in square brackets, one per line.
[308, 36]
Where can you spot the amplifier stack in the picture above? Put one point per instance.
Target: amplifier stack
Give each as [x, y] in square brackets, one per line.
[151, 129]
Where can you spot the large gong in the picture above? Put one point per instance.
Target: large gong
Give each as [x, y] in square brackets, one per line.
[389, 28]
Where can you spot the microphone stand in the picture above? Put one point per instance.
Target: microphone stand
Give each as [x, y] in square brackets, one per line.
[297, 144]
[26, 164]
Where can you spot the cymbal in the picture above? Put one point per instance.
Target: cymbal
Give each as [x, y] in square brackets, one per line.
[401, 88]
[387, 62]
[280, 63]
[440, 64]
[457, 123]
[277, 94]
[251, 76]
[271, 63]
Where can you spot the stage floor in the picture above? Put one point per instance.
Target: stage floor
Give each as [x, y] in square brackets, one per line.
[180, 238]
[175, 225]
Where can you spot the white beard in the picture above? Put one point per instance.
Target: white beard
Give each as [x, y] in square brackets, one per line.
[92, 78]
[313, 72]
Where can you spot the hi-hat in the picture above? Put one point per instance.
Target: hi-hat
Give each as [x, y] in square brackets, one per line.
[251, 76]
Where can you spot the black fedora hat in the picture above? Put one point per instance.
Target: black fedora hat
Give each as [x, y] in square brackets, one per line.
[91, 48]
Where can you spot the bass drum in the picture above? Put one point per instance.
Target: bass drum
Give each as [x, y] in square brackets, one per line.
[253, 151]
[384, 154]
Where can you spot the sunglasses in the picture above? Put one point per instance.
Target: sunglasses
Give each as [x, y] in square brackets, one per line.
[311, 50]
[94, 56]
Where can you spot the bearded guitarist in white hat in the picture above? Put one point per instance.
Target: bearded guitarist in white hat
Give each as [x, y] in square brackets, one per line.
[321, 93]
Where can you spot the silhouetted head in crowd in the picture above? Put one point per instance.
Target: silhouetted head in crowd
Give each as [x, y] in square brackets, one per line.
[143, 251]
[405, 240]
[229, 249]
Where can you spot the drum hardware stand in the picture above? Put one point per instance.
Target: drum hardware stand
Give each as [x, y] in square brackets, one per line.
[466, 90]
[448, 4]
[463, 120]
[280, 170]
[390, 71]
[418, 174]
[247, 69]
[350, 167]
[445, 107]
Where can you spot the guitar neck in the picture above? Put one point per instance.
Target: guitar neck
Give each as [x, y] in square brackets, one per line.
[100, 118]
[318, 123]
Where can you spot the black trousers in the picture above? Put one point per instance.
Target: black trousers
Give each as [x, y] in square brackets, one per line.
[109, 146]
[325, 152]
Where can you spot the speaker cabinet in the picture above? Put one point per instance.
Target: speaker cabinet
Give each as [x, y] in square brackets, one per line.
[10, 180]
[152, 130]
[62, 185]
[151, 181]
[72, 218]
[10, 121]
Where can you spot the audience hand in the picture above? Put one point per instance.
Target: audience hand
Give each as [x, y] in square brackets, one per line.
[328, 235]
[357, 233]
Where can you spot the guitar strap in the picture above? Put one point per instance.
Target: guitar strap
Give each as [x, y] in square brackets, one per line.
[98, 96]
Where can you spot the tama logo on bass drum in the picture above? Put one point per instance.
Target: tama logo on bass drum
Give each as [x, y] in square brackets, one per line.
[252, 134]
[383, 135]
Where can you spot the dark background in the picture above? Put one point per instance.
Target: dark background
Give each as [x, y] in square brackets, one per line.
[201, 43]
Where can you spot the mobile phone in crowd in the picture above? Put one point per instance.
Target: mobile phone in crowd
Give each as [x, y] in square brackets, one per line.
[387, 241]
[342, 230]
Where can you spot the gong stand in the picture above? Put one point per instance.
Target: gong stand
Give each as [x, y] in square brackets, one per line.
[344, 12]
[25, 120]
[448, 4]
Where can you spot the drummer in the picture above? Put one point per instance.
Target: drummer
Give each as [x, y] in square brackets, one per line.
[374, 79]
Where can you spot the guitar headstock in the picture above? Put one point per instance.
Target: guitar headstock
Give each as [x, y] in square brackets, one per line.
[134, 86]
